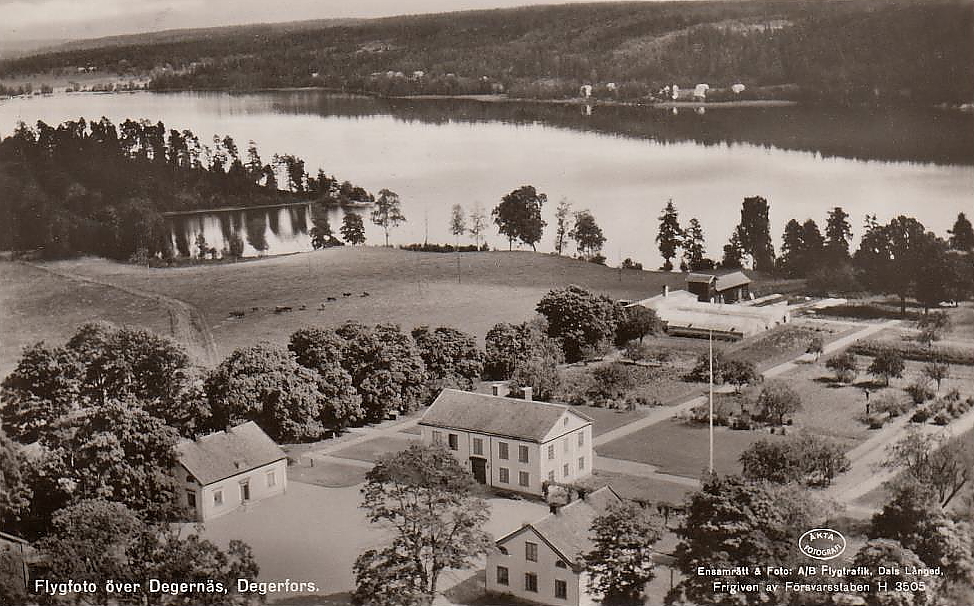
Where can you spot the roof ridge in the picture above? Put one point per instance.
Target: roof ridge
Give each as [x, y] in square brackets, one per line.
[490, 395]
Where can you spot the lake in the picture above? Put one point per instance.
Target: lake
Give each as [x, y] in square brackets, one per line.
[621, 163]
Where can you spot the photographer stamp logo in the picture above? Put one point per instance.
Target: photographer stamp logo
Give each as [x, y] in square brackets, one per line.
[822, 543]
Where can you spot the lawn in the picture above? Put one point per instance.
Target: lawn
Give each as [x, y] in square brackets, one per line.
[607, 419]
[681, 448]
[783, 343]
[372, 449]
[407, 288]
[328, 474]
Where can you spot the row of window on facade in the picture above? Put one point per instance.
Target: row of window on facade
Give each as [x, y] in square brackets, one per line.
[453, 442]
[531, 582]
[270, 478]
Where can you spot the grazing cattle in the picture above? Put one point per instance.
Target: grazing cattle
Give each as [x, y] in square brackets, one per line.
[236, 314]
[365, 294]
[254, 309]
[346, 294]
[303, 307]
[281, 309]
[332, 299]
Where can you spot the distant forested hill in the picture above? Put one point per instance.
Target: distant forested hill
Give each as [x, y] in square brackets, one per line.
[834, 51]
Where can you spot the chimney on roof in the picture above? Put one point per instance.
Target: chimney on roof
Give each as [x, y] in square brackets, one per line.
[495, 389]
[528, 393]
[666, 290]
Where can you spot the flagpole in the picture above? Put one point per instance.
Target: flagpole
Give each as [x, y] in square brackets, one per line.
[711, 401]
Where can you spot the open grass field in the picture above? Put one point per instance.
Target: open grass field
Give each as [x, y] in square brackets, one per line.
[408, 288]
[38, 305]
[371, 450]
[607, 419]
[680, 448]
[329, 475]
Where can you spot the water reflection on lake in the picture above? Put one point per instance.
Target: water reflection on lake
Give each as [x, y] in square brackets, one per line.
[621, 163]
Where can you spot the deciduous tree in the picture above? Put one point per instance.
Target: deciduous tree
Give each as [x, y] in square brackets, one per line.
[14, 491]
[562, 218]
[423, 497]
[777, 400]
[887, 364]
[478, 223]
[844, 365]
[587, 234]
[452, 357]
[582, 320]
[753, 233]
[636, 322]
[388, 212]
[518, 216]
[353, 230]
[620, 563]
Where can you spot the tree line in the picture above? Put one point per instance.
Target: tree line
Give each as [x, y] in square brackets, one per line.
[99, 188]
[859, 51]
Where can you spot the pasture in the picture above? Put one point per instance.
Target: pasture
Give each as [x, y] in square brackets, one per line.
[407, 288]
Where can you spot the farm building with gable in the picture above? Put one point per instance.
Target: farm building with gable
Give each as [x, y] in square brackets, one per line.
[541, 561]
[228, 469]
[510, 443]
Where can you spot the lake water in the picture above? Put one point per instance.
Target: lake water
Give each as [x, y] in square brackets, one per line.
[620, 163]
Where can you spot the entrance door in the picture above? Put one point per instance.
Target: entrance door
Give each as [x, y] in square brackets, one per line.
[479, 467]
[245, 491]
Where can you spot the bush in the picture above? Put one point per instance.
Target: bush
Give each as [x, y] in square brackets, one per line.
[637, 352]
[443, 248]
[890, 403]
[922, 415]
[920, 390]
[941, 418]
[915, 351]
[876, 421]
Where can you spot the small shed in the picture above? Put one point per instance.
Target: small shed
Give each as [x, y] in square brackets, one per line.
[727, 288]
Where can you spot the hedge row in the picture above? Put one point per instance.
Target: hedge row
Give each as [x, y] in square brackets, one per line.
[915, 351]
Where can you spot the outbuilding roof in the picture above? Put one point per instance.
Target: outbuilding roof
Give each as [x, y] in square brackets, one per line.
[224, 454]
[699, 278]
[495, 415]
[568, 531]
[732, 280]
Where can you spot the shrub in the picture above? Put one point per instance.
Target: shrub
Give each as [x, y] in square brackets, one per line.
[941, 418]
[876, 421]
[610, 384]
[889, 403]
[922, 415]
[636, 351]
[920, 390]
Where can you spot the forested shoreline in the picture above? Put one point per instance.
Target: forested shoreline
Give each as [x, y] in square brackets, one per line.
[97, 188]
[861, 51]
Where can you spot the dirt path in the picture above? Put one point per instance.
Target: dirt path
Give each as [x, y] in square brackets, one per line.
[186, 324]
[867, 473]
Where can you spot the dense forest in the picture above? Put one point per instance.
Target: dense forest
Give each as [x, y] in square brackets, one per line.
[94, 187]
[841, 52]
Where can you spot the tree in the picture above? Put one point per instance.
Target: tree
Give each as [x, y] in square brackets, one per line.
[388, 211]
[478, 223]
[621, 561]
[777, 400]
[733, 253]
[753, 233]
[962, 234]
[913, 517]
[636, 322]
[539, 371]
[670, 234]
[890, 256]
[12, 590]
[587, 234]
[941, 464]
[898, 561]
[936, 371]
[582, 320]
[804, 458]
[887, 364]
[458, 223]
[353, 230]
[792, 249]
[509, 345]
[451, 357]
[97, 541]
[694, 245]
[838, 235]
[235, 246]
[320, 350]
[732, 522]
[518, 216]
[15, 493]
[43, 388]
[739, 373]
[423, 497]
[386, 368]
[264, 383]
[844, 366]
[932, 326]
[562, 214]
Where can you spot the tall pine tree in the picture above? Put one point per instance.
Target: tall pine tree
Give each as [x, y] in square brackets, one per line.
[670, 235]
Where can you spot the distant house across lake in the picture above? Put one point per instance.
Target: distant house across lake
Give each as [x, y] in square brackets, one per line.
[510, 443]
[229, 469]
